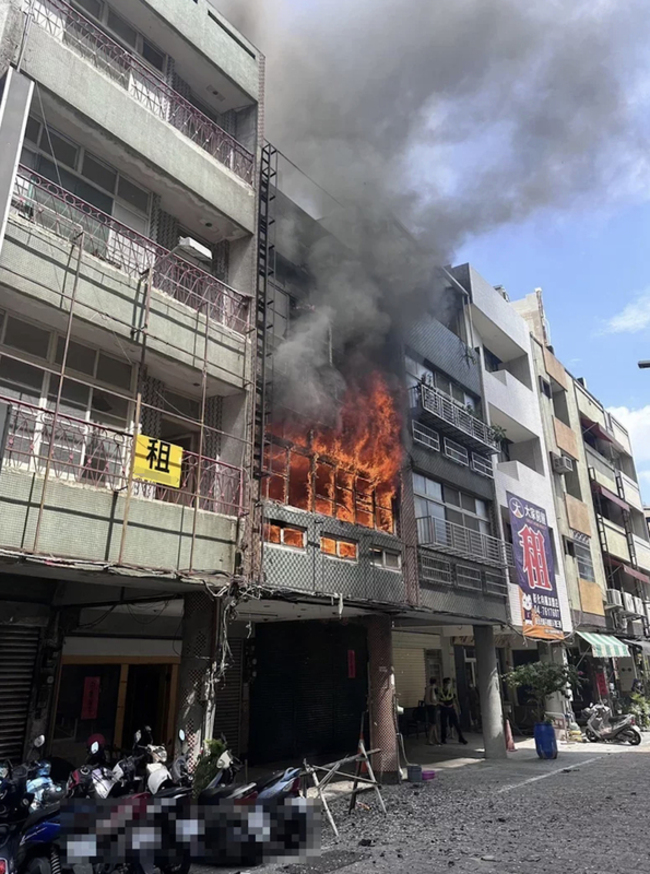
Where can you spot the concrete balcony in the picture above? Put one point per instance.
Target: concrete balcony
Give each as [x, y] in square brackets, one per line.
[122, 95]
[452, 539]
[84, 504]
[508, 395]
[642, 550]
[513, 476]
[631, 492]
[616, 541]
[46, 224]
[565, 438]
[601, 471]
[453, 419]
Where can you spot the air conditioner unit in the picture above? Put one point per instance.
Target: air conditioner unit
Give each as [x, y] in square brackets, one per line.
[614, 598]
[639, 608]
[427, 378]
[628, 603]
[194, 250]
[635, 628]
[562, 464]
[647, 610]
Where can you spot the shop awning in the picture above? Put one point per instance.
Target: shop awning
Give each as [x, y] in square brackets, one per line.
[630, 571]
[643, 645]
[604, 646]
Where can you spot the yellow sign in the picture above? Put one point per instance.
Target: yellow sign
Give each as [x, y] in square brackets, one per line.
[157, 461]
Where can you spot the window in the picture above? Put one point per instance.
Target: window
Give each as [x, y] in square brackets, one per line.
[122, 28]
[492, 362]
[26, 337]
[88, 177]
[93, 7]
[443, 503]
[386, 558]
[151, 54]
[338, 548]
[122, 31]
[584, 561]
[285, 535]
[545, 388]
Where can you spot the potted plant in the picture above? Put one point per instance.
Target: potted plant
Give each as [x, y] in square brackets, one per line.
[541, 680]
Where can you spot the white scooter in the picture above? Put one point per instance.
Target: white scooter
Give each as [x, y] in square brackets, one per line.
[601, 728]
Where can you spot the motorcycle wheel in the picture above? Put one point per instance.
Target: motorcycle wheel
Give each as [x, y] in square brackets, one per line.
[591, 737]
[183, 868]
[632, 737]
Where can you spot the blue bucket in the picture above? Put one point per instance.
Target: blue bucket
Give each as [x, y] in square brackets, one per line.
[545, 742]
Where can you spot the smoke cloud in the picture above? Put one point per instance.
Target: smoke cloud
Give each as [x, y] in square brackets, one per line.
[453, 118]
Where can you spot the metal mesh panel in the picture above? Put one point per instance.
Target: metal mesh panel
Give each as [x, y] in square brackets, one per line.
[168, 232]
[213, 419]
[152, 392]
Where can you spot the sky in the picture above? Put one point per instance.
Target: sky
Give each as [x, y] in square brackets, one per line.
[594, 273]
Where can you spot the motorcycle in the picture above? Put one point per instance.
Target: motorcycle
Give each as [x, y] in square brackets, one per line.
[30, 823]
[603, 728]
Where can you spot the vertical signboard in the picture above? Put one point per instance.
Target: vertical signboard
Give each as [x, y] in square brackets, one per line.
[535, 567]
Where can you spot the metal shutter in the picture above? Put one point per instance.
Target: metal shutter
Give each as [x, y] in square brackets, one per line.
[18, 651]
[228, 700]
[410, 675]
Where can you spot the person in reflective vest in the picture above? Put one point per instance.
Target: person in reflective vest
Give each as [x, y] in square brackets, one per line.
[448, 713]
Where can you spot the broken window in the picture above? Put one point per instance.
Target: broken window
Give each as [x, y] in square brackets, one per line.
[285, 535]
[339, 548]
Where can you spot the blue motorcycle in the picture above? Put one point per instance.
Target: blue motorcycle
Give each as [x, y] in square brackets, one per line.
[29, 818]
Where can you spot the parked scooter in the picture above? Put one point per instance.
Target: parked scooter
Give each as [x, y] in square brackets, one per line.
[30, 824]
[603, 728]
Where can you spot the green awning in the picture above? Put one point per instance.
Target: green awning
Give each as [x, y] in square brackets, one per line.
[604, 646]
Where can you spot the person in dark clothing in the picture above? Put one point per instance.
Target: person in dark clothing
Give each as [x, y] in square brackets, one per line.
[448, 712]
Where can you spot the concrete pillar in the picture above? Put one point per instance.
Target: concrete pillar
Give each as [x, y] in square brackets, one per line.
[488, 690]
[195, 706]
[381, 695]
[14, 109]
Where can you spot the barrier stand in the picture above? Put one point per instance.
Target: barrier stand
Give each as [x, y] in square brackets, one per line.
[329, 772]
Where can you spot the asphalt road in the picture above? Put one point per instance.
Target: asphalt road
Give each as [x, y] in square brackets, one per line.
[588, 811]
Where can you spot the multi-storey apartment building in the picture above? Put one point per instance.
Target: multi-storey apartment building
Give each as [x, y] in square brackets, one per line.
[127, 264]
[600, 515]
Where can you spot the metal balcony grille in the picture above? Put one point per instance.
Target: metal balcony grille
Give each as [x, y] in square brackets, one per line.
[454, 539]
[452, 416]
[456, 452]
[95, 455]
[425, 436]
[86, 39]
[436, 572]
[43, 202]
[482, 465]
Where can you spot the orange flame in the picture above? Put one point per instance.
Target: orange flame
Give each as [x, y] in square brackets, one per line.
[349, 471]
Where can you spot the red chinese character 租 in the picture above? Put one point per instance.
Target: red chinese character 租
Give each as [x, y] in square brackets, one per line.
[535, 565]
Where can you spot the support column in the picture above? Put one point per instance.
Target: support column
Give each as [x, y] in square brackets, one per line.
[381, 694]
[195, 704]
[488, 690]
[14, 110]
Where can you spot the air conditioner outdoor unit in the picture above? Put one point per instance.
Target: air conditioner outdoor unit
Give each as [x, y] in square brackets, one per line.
[639, 606]
[191, 248]
[562, 464]
[628, 603]
[647, 610]
[614, 598]
[635, 628]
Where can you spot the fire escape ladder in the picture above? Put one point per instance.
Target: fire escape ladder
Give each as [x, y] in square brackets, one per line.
[264, 307]
[627, 522]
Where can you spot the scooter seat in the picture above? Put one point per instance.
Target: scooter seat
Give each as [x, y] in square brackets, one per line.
[47, 812]
[221, 793]
[173, 791]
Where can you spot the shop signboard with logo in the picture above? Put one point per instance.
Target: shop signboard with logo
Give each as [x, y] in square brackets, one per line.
[535, 567]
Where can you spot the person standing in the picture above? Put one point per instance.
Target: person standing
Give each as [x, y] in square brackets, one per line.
[431, 703]
[448, 712]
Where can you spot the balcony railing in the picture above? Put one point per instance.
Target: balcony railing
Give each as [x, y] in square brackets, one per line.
[90, 42]
[46, 204]
[449, 413]
[454, 539]
[97, 455]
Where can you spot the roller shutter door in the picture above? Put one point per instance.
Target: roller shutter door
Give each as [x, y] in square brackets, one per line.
[228, 700]
[410, 675]
[18, 652]
[304, 703]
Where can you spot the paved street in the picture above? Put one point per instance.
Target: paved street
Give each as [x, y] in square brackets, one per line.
[585, 812]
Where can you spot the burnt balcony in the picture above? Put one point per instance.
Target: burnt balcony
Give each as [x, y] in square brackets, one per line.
[452, 418]
[453, 539]
[86, 39]
[49, 206]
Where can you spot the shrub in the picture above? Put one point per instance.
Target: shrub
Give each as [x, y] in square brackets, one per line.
[206, 767]
[541, 680]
